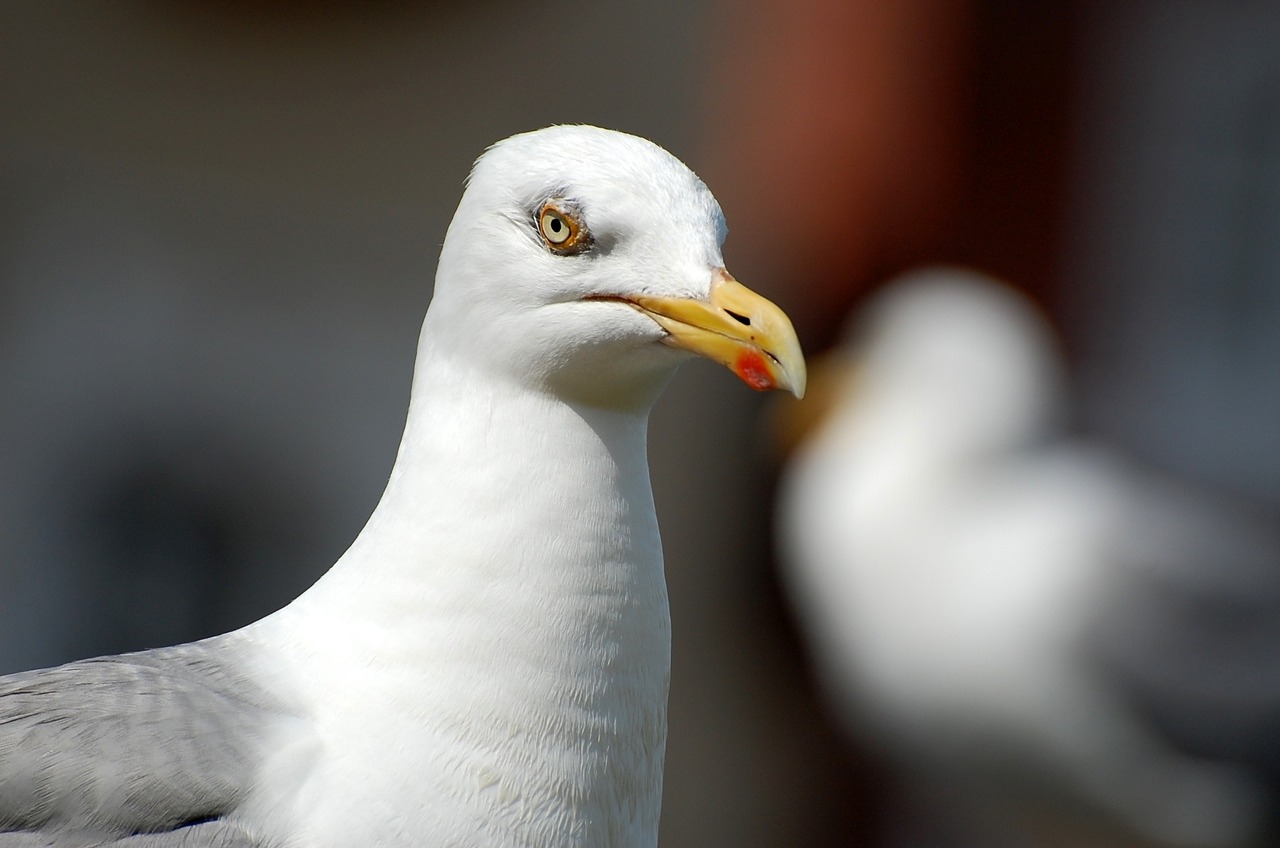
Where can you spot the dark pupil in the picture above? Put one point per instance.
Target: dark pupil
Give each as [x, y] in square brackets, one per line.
[556, 225]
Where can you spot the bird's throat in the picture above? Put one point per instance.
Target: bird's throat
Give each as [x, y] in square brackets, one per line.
[530, 634]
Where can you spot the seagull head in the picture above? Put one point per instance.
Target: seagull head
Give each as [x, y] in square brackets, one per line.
[957, 360]
[588, 262]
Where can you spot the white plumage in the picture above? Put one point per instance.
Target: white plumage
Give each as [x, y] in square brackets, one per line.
[487, 665]
[1051, 640]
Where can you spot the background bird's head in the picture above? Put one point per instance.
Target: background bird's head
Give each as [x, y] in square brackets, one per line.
[955, 362]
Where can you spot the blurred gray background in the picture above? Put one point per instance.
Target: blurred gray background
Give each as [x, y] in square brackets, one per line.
[219, 224]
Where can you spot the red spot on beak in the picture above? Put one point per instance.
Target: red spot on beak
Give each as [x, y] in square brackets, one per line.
[753, 370]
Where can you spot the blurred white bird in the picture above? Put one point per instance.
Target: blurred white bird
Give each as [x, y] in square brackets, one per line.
[1052, 641]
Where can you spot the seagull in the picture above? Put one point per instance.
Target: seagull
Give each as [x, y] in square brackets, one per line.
[1056, 643]
[488, 663]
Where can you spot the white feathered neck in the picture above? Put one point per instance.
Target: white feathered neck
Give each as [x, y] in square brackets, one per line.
[515, 650]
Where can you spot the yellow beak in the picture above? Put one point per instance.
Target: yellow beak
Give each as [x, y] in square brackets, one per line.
[736, 327]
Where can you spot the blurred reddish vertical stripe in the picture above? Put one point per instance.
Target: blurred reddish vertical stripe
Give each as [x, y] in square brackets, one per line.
[852, 139]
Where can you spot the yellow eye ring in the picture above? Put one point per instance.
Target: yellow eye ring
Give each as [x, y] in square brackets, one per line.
[562, 230]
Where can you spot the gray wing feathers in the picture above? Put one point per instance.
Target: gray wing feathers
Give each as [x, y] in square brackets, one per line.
[215, 834]
[132, 744]
[1193, 631]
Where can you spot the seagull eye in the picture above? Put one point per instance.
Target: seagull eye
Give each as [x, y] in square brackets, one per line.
[556, 228]
[562, 230]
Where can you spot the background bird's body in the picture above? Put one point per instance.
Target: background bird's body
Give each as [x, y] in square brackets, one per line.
[976, 586]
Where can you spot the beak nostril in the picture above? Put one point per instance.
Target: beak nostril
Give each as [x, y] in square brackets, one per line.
[741, 319]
